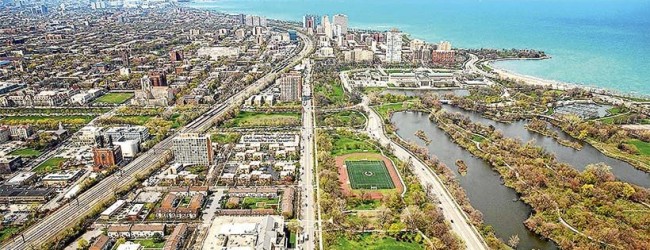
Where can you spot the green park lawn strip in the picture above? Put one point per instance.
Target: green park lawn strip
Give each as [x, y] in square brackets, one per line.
[615, 111]
[7, 232]
[346, 145]
[644, 147]
[29, 119]
[370, 243]
[345, 118]
[385, 109]
[114, 98]
[50, 165]
[148, 243]
[258, 119]
[335, 94]
[225, 138]
[26, 152]
[258, 202]
[366, 205]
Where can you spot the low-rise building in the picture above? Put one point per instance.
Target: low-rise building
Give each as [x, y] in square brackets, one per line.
[147, 230]
[61, 179]
[177, 238]
[9, 164]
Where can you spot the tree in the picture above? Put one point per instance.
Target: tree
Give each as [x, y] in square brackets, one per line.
[82, 244]
[513, 241]
[157, 238]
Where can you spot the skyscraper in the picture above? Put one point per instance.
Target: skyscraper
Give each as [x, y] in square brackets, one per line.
[393, 46]
[310, 21]
[342, 20]
[327, 26]
[193, 149]
[444, 46]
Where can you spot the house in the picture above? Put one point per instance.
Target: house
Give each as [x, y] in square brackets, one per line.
[118, 231]
[177, 238]
[147, 230]
[101, 243]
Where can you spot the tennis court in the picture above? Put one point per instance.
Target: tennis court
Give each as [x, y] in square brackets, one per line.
[369, 175]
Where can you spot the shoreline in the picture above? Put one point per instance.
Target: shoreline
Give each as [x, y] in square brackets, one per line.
[501, 72]
[555, 84]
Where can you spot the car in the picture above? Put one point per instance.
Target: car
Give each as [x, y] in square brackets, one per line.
[452, 221]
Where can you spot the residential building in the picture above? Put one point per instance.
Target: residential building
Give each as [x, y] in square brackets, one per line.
[5, 134]
[21, 132]
[290, 85]
[393, 46]
[177, 238]
[101, 243]
[158, 78]
[193, 149]
[147, 230]
[310, 22]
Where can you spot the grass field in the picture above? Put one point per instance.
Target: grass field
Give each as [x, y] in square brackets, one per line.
[148, 243]
[369, 175]
[644, 147]
[6, 232]
[50, 165]
[225, 138]
[335, 94]
[258, 202]
[37, 120]
[346, 145]
[26, 152]
[368, 242]
[134, 119]
[385, 109]
[344, 118]
[257, 119]
[114, 98]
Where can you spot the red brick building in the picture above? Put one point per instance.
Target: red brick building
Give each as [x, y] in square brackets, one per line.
[106, 157]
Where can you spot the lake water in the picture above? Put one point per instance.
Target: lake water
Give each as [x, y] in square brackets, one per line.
[601, 43]
[483, 185]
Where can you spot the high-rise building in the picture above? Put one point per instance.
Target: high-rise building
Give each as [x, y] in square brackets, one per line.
[311, 21]
[290, 87]
[255, 21]
[193, 149]
[158, 79]
[443, 54]
[342, 20]
[393, 46]
[327, 26]
[444, 46]
[175, 56]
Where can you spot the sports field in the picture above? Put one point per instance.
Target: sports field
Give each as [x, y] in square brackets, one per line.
[369, 175]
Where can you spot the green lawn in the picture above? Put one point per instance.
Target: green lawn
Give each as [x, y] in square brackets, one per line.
[365, 205]
[616, 110]
[477, 138]
[386, 109]
[50, 165]
[367, 242]
[148, 243]
[134, 119]
[47, 122]
[258, 119]
[114, 98]
[334, 93]
[26, 152]
[644, 147]
[345, 145]
[344, 118]
[258, 202]
[225, 138]
[7, 232]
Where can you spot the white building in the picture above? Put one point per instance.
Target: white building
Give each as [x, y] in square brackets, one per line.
[393, 46]
[342, 21]
[139, 133]
[87, 136]
[129, 148]
[193, 149]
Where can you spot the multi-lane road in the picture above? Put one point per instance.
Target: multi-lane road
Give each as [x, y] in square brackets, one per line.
[307, 184]
[67, 215]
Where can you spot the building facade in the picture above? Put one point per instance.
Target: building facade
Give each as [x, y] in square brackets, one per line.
[393, 46]
[193, 149]
[290, 85]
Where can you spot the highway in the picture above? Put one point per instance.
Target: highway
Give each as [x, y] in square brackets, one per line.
[67, 215]
[453, 214]
[307, 184]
